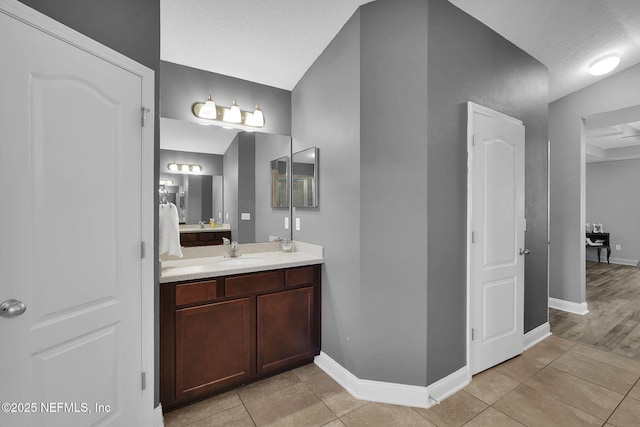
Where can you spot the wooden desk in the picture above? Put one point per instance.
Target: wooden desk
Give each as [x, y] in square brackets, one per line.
[605, 244]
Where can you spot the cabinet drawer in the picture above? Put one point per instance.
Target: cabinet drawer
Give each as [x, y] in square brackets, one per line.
[253, 283]
[188, 237]
[300, 276]
[208, 236]
[190, 293]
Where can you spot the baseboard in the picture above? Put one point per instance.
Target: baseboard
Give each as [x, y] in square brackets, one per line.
[536, 335]
[613, 260]
[569, 306]
[158, 418]
[393, 393]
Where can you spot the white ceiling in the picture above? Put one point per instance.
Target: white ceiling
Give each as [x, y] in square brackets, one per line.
[181, 135]
[274, 42]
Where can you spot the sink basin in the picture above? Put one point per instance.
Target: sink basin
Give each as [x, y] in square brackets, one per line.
[242, 261]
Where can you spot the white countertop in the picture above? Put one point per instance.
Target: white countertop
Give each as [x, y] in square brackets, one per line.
[207, 228]
[202, 268]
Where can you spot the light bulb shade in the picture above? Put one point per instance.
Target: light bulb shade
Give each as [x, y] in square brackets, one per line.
[234, 115]
[172, 167]
[208, 110]
[196, 168]
[604, 65]
[258, 117]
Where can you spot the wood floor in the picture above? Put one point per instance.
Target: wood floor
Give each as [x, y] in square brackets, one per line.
[613, 321]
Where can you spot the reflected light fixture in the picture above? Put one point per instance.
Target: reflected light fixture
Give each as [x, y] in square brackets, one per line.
[166, 182]
[232, 115]
[184, 168]
[604, 65]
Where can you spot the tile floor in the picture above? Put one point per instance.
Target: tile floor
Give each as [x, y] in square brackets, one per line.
[555, 383]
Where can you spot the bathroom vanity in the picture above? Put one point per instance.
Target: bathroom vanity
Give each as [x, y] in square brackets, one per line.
[225, 322]
[193, 235]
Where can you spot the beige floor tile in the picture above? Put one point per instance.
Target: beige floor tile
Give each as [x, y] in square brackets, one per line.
[611, 377]
[544, 353]
[627, 414]
[584, 395]
[492, 418]
[382, 415]
[294, 406]
[197, 411]
[335, 423]
[609, 358]
[234, 417]
[333, 395]
[268, 386]
[559, 342]
[519, 368]
[456, 410]
[489, 386]
[309, 371]
[635, 391]
[535, 409]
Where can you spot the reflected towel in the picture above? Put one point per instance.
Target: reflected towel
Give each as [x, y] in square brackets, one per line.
[168, 230]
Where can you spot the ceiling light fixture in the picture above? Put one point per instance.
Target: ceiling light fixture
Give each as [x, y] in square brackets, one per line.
[184, 168]
[604, 65]
[210, 111]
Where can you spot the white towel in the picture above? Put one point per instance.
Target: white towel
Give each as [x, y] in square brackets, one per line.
[169, 231]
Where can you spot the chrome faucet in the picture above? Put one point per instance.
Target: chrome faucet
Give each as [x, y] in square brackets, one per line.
[235, 251]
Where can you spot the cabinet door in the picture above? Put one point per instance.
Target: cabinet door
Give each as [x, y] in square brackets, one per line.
[285, 324]
[212, 347]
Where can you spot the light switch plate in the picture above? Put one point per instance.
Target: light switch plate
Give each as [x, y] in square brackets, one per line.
[245, 216]
[297, 224]
[286, 222]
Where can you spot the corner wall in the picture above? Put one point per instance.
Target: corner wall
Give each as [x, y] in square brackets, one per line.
[566, 266]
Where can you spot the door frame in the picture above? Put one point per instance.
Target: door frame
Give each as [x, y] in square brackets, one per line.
[37, 20]
[472, 108]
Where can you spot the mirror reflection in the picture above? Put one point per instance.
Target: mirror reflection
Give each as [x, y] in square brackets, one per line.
[280, 182]
[304, 178]
[234, 186]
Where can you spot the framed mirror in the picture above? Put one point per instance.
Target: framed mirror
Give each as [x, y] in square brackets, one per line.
[280, 182]
[304, 178]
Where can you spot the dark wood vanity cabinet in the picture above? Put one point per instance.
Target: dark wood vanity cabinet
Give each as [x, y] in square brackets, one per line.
[203, 238]
[220, 333]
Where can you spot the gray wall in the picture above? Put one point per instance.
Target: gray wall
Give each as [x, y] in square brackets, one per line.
[392, 214]
[133, 29]
[566, 268]
[269, 221]
[612, 199]
[470, 62]
[326, 114]
[181, 87]
[393, 192]
[230, 184]
[246, 187]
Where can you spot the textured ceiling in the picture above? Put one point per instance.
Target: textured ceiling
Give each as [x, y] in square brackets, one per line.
[274, 42]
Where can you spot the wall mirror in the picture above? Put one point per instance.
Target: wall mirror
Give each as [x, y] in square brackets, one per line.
[239, 165]
[280, 182]
[304, 178]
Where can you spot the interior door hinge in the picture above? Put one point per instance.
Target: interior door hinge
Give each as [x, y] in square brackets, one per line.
[143, 118]
[473, 237]
[474, 140]
[144, 381]
[473, 334]
[143, 249]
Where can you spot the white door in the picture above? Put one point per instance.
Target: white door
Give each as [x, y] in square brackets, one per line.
[70, 227]
[497, 241]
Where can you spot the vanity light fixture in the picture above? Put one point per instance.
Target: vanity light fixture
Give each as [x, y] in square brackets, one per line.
[604, 65]
[184, 168]
[233, 115]
[166, 182]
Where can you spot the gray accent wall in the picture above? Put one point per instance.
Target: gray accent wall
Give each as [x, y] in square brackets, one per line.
[182, 86]
[230, 185]
[470, 62]
[392, 214]
[568, 172]
[612, 200]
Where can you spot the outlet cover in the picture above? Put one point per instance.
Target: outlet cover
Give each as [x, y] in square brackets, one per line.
[245, 216]
[286, 222]
[618, 247]
[297, 224]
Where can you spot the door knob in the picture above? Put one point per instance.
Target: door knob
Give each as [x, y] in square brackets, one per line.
[12, 308]
[524, 252]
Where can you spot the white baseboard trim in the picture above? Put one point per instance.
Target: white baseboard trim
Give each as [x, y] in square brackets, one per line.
[613, 260]
[393, 393]
[536, 335]
[569, 306]
[158, 418]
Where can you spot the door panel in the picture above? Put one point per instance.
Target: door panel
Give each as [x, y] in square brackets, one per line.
[71, 149]
[497, 221]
